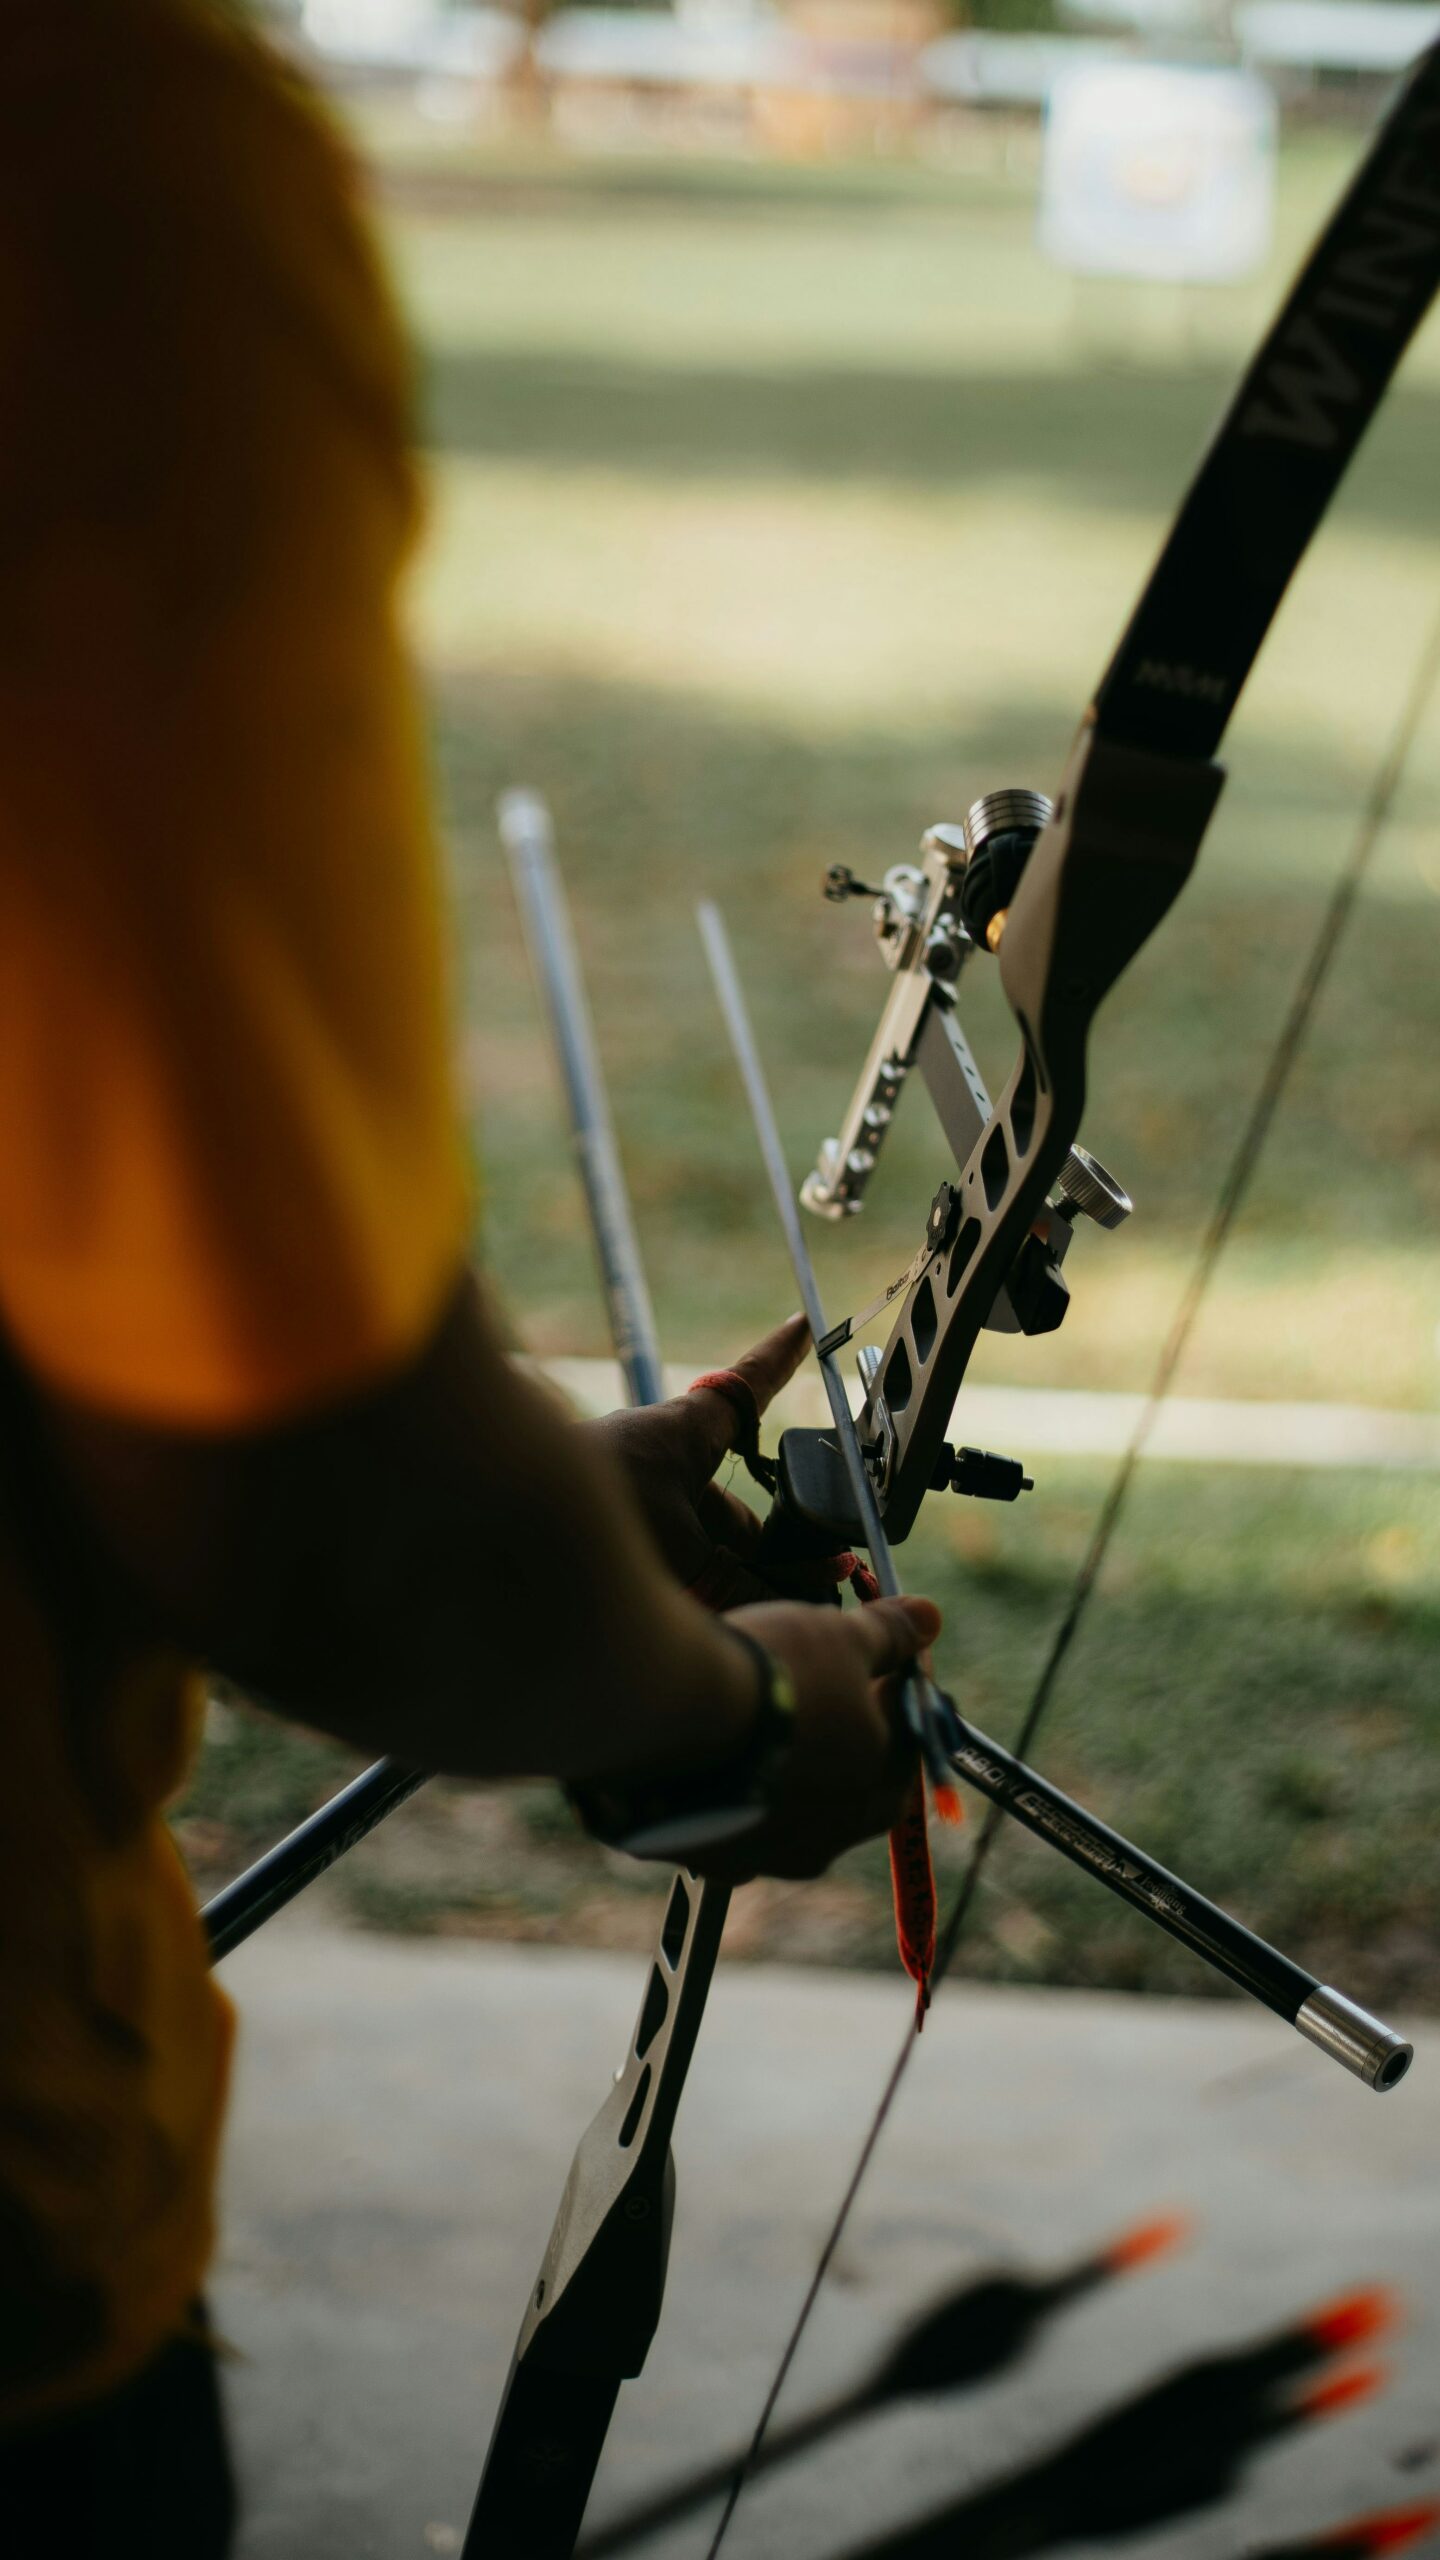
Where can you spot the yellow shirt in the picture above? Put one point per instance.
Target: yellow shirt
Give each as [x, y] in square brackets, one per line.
[230, 1176]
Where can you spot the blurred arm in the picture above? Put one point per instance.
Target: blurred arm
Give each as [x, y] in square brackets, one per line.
[234, 1208]
[443, 1568]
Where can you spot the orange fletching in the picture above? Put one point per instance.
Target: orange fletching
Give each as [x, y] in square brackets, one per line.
[1148, 2240]
[1388, 2532]
[912, 1877]
[1354, 2316]
[912, 1880]
[1343, 2391]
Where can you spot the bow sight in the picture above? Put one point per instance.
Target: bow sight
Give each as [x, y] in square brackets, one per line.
[929, 921]
[1063, 895]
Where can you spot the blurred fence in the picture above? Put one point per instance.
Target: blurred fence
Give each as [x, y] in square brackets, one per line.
[902, 50]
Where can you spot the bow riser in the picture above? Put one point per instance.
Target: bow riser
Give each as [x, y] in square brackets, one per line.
[1110, 864]
[596, 2301]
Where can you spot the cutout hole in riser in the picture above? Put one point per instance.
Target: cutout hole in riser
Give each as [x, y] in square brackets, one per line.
[677, 1921]
[924, 1323]
[995, 1166]
[962, 1254]
[898, 1380]
[635, 2111]
[654, 2012]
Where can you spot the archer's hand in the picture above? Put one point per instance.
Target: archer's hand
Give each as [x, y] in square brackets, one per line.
[669, 1454]
[851, 1764]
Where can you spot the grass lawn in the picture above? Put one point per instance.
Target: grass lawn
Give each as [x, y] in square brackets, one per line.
[776, 513]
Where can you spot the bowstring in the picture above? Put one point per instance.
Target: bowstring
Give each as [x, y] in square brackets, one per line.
[1233, 1192]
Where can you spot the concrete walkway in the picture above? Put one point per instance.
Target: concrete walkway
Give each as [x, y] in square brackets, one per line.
[404, 2118]
[1076, 1422]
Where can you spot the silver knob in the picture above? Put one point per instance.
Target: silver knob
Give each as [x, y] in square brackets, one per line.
[1003, 813]
[1092, 1191]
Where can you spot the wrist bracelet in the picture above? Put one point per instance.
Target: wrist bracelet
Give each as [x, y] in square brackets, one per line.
[671, 1816]
[772, 1738]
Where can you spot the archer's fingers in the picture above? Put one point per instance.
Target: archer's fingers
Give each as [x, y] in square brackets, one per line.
[723, 1582]
[713, 1422]
[893, 1633]
[772, 1363]
[728, 1520]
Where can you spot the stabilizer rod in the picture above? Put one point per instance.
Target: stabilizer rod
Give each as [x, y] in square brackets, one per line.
[234, 1914]
[1373, 2051]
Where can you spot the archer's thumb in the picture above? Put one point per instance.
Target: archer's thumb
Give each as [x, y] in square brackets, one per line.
[895, 1631]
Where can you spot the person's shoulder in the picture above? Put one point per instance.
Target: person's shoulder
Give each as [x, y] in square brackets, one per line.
[163, 170]
[182, 101]
[74, 48]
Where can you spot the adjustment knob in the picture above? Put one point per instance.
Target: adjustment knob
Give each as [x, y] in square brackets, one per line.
[1091, 1191]
[840, 883]
[1004, 813]
[1000, 831]
[943, 1218]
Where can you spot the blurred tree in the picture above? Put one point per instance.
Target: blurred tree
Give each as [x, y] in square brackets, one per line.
[1013, 17]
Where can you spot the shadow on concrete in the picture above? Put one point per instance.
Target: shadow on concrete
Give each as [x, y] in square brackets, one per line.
[1176, 2448]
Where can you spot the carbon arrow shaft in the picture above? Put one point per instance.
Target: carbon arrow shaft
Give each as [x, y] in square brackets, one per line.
[926, 1713]
[529, 841]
